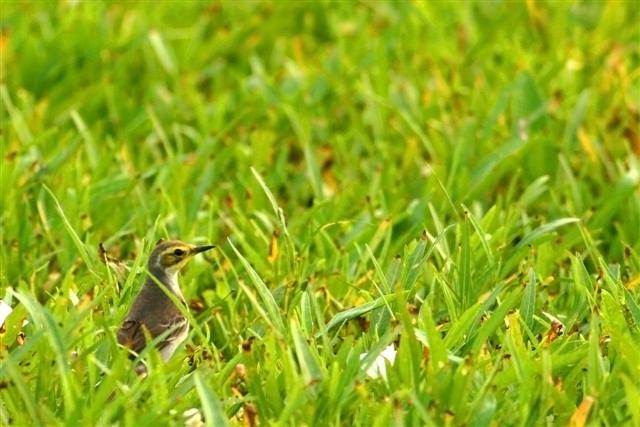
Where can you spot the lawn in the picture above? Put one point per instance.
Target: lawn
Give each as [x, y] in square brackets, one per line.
[456, 184]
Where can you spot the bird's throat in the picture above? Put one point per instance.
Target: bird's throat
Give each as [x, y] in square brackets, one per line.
[169, 279]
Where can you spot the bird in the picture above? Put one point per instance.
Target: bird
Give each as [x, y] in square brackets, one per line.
[153, 313]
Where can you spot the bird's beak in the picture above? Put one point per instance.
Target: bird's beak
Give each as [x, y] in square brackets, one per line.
[199, 249]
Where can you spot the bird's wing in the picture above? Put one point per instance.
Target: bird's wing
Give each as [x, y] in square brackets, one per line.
[177, 325]
[132, 335]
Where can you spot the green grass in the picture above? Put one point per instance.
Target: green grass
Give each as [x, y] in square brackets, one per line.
[453, 179]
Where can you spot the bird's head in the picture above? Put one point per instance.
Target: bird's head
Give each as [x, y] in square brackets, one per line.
[172, 255]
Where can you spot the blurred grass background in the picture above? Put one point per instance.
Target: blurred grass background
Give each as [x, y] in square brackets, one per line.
[451, 178]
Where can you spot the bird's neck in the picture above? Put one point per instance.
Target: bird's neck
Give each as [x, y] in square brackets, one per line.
[169, 279]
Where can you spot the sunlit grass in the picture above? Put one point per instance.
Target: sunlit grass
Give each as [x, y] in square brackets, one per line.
[456, 181]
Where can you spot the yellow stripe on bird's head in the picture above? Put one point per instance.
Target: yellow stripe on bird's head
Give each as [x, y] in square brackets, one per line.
[172, 255]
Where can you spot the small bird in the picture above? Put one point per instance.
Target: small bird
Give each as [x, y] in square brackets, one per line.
[152, 309]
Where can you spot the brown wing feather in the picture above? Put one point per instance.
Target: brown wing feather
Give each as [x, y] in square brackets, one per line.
[131, 334]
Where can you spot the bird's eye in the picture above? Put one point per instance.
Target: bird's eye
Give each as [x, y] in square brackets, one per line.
[178, 252]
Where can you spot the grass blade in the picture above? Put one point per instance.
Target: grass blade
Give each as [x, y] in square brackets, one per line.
[88, 260]
[354, 312]
[45, 321]
[308, 364]
[263, 291]
[528, 305]
[543, 230]
[214, 414]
